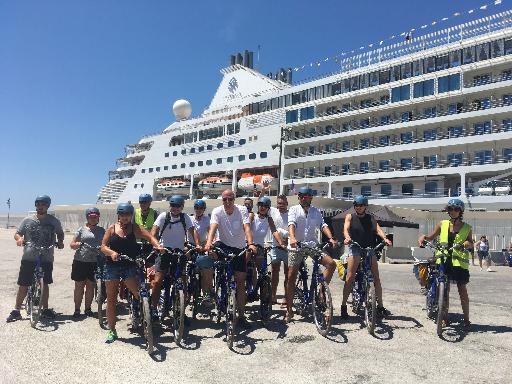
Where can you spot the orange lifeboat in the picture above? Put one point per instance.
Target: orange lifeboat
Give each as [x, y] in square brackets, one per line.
[249, 181]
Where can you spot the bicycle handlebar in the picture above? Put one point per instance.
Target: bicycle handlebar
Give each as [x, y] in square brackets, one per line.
[441, 248]
[377, 248]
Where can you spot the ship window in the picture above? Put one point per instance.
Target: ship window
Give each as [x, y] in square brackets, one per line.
[430, 134]
[407, 189]
[497, 48]
[252, 156]
[507, 154]
[143, 170]
[200, 163]
[431, 187]
[442, 62]
[455, 58]
[183, 151]
[192, 150]
[363, 167]
[242, 141]
[336, 88]
[231, 143]
[241, 157]
[405, 72]
[219, 160]
[400, 93]
[384, 77]
[366, 190]
[482, 52]
[263, 155]
[182, 165]
[150, 170]
[208, 162]
[374, 79]
[175, 153]
[230, 159]
[395, 73]
[134, 185]
[347, 192]
[385, 189]
[166, 154]
[483, 157]
[174, 166]
[423, 88]
[201, 148]
[406, 137]
[158, 169]
[455, 159]
[384, 141]
[231, 129]
[406, 164]
[430, 64]
[364, 144]
[220, 145]
[417, 67]
[507, 44]
[292, 116]
[364, 81]
[192, 164]
[468, 55]
[507, 124]
[166, 167]
[142, 185]
[209, 147]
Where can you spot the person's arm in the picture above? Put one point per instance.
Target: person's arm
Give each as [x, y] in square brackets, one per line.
[477, 244]
[105, 249]
[327, 232]
[60, 235]
[193, 234]
[155, 230]
[382, 235]
[468, 244]
[432, 236]
[275, 232]
[211, 236]
[346, 228]
[249, 239]
[75, 243]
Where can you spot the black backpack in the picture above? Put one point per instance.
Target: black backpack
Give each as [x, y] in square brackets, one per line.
[168, 221]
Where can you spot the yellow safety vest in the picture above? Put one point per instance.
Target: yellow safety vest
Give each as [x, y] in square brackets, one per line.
[459, 258]
[150, 219]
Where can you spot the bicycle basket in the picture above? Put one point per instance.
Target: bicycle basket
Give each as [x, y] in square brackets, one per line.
[421, 272]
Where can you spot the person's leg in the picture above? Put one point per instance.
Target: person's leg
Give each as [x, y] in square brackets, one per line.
[464, 301]
[89, 293]
[157, 287]
[330, 267]
[46, 295]
[133, 285]
[290, 290]
[240, 292]
[376, 281]
[480, 259]
[285, 282]
[112, 287]
[207, 280]
[488, 261]
[78, 294]
[276, 267]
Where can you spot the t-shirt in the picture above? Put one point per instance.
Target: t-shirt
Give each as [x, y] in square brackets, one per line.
[92, 237]
[484, 246]
[306, 225]
[39, 232]
[174, 235]
[201, 228]
[231, 227]
[259, 228]
[281, 223]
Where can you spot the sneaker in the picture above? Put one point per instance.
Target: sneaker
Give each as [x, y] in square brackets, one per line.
[382, 312]
[111, 336]
[344, 312]
[14, 315]
[242, 322]
[481, 268]
[48, 314]
[489, 269]
[76, 314]
[88, 312]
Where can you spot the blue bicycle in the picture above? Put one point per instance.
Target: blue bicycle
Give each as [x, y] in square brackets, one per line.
[317, 297]
[262, 290]
[363, 290]
[225, 291]
[36, 290]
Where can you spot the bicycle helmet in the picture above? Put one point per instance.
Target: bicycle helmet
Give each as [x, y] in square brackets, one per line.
[265, 200]
[92, 212]
[176, 200]
[125, 208]
[456, 203]
[43, 199]
[305, 191]
[200, 204]
[360, 200]
[145, 198]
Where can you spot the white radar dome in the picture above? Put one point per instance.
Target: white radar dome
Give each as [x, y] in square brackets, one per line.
[182, 109]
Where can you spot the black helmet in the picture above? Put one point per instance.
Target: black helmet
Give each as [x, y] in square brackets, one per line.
[305, 191]
[360, 200]
[92, 212]
[199, 203]
[145, 198]
[43, 199]
[124, 208]
[176, 200]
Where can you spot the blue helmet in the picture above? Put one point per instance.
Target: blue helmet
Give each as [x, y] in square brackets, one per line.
[124, 208]
[456, 203]
[199, 203]
[264, 200]
[360, 199]
[145, 198]
[176, 200]
[92, 212]
[43, 199]
[305, 191]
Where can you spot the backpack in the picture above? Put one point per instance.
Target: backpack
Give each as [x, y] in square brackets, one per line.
[168, 221]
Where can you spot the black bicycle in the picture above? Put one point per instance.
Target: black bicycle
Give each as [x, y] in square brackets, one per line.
[262, 290]
[193, 281]
[364, 298]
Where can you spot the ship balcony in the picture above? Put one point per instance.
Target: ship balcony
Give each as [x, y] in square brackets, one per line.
[129, 161]
[131, 149]
[123, 174]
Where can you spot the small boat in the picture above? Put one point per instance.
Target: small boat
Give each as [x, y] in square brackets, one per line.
[172, 185]
[502, 188]
[214, 183]
[249, 181]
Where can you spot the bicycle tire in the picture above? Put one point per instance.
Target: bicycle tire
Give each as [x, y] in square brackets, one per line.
[370, 309]
[178, 315]
[147, 325]
[299, 301]
[441, 302]
[322, 308]
[265, 298]
[99, 301]
[36, 301]
[231, 318]
[430, 302]
[356, 295]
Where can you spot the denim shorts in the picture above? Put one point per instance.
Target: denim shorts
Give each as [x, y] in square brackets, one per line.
[297, 256]
[483, 254]
[277, 255]
[118, 272]
[354, 250]
[204, 262]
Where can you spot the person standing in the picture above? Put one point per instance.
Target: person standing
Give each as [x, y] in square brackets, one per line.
[37, 230]
[145, 217]
[482, 249]
[278, 254]
[85, 260]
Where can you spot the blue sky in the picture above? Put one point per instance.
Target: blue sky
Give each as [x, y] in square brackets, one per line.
[81, 79]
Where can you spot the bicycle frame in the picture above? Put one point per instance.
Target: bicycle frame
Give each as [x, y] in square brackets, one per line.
[262, 271]
[225, 274]
[316, 275]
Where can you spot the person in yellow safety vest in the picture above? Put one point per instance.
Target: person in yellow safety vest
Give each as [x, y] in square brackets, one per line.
[145, 216]
[450, 232]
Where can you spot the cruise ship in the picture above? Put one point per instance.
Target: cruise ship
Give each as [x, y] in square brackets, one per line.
[406, 124]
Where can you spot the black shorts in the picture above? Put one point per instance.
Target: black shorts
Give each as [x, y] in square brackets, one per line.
[27, 272]
[81, 270]
[165, 261]
[457, 274]
[239, 262]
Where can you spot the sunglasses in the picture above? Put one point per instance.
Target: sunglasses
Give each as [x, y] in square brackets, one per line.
[176, 206]
[228, 199]
[41, 203]
[450, 209]
[304, 196]
[359, 205]
[263, 205]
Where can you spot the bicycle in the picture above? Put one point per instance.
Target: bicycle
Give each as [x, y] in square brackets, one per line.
[438, 283]
[263, 284]
[363, 291]
[318, 296]
[140, 315]
[193, 281]
[36, 290]
[225, 291]
[100, 292]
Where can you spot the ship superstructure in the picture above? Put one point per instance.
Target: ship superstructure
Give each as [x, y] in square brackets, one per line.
[408, 124]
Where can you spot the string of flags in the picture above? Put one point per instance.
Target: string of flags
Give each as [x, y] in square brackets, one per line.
[406, 36]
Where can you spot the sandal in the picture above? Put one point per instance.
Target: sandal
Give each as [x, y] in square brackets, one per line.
[467, 325]
[288, 318]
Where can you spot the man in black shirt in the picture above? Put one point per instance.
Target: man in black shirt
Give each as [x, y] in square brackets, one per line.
[361, 228]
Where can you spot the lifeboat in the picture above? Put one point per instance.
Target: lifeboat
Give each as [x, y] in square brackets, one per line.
[172, 185]
[502, 188]
[214, 183]
[486, 189]
[249, 181]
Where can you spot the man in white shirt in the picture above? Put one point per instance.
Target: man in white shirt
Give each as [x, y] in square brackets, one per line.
[304, 221]
[171, 229]
[277, 254]
[234, 232]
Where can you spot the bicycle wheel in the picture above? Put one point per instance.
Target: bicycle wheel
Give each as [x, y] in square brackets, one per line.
[430, 301]
[265, 298]
[356, 294]
[36, 301]
[441, 302]
[178, 315]
[370, 309]
[299, 299]
[322, 308]
[231, 318]
[147, 325]
[99, 301]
